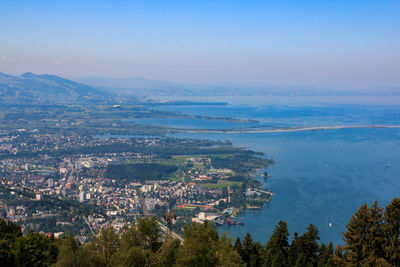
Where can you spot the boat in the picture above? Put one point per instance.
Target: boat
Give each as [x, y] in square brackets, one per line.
[233, 222]
[219, 221]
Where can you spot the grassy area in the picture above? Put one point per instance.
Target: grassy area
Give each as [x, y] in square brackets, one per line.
[175, 160]
[220, 184]
[172, 161]
[131, 161]
[175, 178]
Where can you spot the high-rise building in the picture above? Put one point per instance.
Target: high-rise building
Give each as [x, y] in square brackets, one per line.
[82, 196]
[50, 182]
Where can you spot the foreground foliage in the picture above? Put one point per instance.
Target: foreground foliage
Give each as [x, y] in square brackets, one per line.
[372, 239]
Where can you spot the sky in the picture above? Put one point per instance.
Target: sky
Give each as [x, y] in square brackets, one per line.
[335, 44]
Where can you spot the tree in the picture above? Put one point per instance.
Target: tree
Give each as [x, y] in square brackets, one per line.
[226, 254]
[251, 251]
[364, 237]
[140, 243]
[325, 258]
[199, 246]
[167, 254]
[294, 249]
[307, 248]
[9, 230]
[391, 229]
[107, 242]
[135, 257]
[203, 247]
[145, 233]
[277, 249]
[224, 192]
[35, 250]
[72, 254]
[6, 256]
[238, 246]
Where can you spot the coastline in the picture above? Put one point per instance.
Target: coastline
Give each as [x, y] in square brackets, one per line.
[287, 130]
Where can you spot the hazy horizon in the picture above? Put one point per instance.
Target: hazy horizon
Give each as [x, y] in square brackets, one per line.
[129, 84]
[340, 45]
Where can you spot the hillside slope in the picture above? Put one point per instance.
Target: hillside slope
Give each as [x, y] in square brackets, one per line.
[34, 88]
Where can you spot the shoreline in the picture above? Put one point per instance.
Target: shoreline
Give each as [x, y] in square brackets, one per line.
[287, 130]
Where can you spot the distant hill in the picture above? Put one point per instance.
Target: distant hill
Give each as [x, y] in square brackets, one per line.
[137, 86]
[47, 89]
[125, 82]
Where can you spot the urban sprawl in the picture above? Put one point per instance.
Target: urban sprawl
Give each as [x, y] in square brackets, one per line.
[59, 184]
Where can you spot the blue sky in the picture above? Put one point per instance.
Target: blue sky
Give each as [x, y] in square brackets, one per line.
[335, 44]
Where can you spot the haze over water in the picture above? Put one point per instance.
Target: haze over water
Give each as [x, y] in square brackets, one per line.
[320, 177]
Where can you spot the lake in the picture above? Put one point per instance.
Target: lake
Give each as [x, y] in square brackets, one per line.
[320, 177]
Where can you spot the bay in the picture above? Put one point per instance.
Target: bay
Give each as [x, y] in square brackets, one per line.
[320, 177]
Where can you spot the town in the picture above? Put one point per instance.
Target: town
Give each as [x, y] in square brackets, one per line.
[58, 184]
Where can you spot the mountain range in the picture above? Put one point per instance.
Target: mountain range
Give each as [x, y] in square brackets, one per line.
[50, 89]
[147, 88]
[47, 89]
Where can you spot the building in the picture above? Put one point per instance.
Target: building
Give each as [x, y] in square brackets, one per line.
[50, 183]
[82, 196]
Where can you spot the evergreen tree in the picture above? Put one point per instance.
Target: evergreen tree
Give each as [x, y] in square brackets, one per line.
[72, 254]
[6, 256]
[251, 251]
[277, 249]
[238, 246]
[325, 258]
[107, 243]
[391, 230]
[141, 244]
[293, 249]
[35, 250]
[145, 233]
[68, 252]
[134, 256]
[227, 255]
[202, 247]
[199, 246]
[372, 239]
[224, 192]
[364, 238]
[9, 230]
[339, 256]
[167, 254]
[306, 248]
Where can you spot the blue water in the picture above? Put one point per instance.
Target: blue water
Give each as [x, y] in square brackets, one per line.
[320, 177]
[193, 123]
[289, 115]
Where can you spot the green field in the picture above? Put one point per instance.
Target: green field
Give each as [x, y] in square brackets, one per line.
[220, 185]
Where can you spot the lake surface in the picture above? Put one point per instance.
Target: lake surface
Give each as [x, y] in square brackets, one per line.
[320, 177]
[193, 123]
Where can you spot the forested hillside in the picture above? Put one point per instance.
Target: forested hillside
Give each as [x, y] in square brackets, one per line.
[372, 239]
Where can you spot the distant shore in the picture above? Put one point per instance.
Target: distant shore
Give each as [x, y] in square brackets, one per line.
[286, 130]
